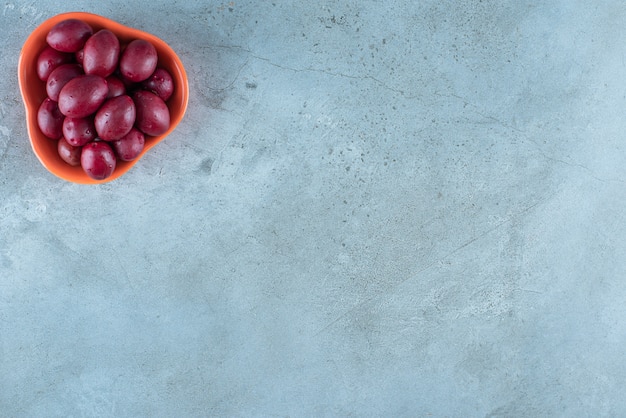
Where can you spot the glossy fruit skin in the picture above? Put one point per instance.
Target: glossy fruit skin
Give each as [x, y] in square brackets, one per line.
[79, 131]
[153, 115]
[50, 119]
[49, 59]
[130, 146]
[116, 86]
[68, 153]
[138, 61]
[115, 118]
[98, 160]
[69, 35]
[82, 95]
[79, 55]
[101, 53]
[59, 77]
[160, 83]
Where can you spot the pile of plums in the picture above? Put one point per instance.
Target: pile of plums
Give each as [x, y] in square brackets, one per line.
[103, 97]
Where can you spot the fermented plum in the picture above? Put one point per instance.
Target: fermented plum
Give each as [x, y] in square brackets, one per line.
[68, 153]
[138, 61]
[153, 115]
[130, 146]
[116, 86]
[49, 59]
[115, 118]
[69, 35]
[101, 53]
[50, 119]
[160, 83]
[98, 160]
[82, 95]
[79, 131]
[59, 77]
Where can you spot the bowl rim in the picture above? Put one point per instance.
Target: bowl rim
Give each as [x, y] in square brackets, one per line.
[69, 173]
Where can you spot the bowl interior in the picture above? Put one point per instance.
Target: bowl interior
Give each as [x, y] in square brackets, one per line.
[33, 92]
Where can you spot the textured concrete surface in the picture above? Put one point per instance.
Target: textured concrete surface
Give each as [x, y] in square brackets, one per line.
[405, 208]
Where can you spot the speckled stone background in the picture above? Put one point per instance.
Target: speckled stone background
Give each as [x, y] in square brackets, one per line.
[394, 209]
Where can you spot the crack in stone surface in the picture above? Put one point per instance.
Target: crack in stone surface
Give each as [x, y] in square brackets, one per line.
[232, 83]
[435, 262]
[480, 112]
[311, 69]
[586, 169]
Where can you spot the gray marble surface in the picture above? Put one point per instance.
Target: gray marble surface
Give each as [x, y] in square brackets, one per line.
[394, 209]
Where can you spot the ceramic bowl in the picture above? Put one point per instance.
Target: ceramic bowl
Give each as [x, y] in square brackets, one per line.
[33, 92]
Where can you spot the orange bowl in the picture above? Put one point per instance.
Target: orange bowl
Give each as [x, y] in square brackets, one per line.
[33, 92]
